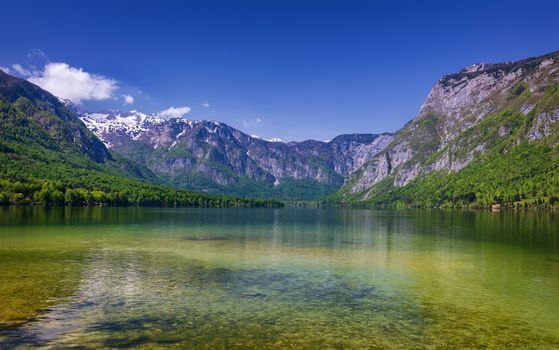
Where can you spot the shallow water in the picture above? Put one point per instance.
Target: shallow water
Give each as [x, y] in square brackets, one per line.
[277, 278]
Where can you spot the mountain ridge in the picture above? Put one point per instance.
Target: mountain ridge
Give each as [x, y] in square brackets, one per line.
[213, 156]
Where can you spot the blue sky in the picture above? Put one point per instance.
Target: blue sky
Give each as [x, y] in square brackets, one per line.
[289, 69]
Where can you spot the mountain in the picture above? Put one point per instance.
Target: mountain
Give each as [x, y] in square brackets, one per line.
[47, 155]
[486, 135]
[213, 157]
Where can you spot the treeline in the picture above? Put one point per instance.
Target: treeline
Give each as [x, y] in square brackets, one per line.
[58, 193]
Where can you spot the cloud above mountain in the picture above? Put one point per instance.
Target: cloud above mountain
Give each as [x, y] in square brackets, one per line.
[174, 112]
[71, 83]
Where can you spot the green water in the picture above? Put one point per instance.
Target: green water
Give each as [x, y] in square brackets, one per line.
[284, 278]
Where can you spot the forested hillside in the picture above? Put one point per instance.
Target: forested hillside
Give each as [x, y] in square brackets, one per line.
[47, 156]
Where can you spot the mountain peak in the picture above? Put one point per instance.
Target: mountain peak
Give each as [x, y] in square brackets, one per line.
[501, 68]
[477, 67]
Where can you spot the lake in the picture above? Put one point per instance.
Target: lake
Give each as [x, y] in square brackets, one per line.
[277, 278]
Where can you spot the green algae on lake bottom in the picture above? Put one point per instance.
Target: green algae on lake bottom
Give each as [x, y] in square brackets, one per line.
[285, 278]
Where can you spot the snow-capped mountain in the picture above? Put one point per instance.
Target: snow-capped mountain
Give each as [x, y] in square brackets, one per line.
[214, 157]
[130, 124]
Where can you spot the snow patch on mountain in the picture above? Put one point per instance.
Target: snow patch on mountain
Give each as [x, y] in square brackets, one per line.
[132, 124]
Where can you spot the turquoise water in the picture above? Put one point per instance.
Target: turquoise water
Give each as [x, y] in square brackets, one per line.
[277, 278]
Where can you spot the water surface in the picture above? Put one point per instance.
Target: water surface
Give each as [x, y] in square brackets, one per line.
[277, 278]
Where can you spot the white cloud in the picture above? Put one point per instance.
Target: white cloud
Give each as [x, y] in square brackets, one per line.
[72, 83]
[20, 70]
[251, 122]
[205, 105]
[128, 99]
[174, 112]
[5, 69]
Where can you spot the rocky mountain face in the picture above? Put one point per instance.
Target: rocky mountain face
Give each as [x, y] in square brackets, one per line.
[214, 157]
[483, 109]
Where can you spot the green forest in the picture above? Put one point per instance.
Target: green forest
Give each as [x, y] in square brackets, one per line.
[525, 177]
[58, 193]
